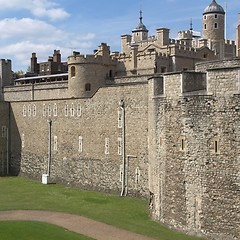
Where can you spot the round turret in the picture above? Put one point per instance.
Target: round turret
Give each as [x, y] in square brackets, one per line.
[214, 22]
[86, 74]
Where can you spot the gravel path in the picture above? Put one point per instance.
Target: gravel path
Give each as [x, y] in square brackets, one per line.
[78, 224]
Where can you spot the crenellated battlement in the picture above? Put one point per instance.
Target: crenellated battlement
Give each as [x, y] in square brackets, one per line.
[89, 59]
[230, 42]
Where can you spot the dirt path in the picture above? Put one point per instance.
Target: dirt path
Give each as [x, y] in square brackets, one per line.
[85, 226]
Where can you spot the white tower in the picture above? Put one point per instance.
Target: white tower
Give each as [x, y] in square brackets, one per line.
[140, 33]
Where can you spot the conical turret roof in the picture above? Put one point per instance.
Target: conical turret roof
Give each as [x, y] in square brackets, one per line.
[141, 27]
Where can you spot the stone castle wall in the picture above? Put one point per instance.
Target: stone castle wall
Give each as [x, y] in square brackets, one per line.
[194, 157]
[87, 141]
[38, 91]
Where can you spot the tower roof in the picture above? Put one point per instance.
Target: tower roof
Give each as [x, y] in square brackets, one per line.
[141, 27]
[214, 8]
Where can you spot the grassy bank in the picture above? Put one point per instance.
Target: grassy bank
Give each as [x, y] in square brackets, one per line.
[126, 213]
[35, 230]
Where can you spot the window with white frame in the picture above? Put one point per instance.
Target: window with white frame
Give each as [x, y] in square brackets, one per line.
[34, 110]
[79, 110]
[106, 146]
[72, 110]
[80, 144]
[119, 146]
[55, 143]
[66, 110]
[24, 110]
[29, 110]
[49, 110]
[55, 110]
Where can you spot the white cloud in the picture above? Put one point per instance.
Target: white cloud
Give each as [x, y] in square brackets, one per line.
[39, 8]
[28, 28]
[20, 37]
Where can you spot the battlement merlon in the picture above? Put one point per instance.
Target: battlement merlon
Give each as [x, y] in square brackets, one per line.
[163, 36]
[101, 56]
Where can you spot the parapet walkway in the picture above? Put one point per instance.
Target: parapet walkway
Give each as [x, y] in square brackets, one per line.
[78, 224]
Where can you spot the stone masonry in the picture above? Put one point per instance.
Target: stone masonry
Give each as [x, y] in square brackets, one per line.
[159, 121]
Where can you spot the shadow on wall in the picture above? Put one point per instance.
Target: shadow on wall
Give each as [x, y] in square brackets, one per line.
[15, 146]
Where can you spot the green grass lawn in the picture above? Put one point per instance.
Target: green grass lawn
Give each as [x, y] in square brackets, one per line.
[127, 213]
[24, 230]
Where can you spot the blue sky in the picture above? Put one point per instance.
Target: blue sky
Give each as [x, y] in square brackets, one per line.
[41, 26]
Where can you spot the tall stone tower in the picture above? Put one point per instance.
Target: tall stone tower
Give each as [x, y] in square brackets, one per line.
[6, 77]
[140, 33]
[214, 28]
[238, 36]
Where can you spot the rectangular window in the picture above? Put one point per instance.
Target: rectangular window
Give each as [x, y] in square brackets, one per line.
[29, 110]
[106, 146]
[4, 131]
[55, 110]
[34, 110]
[66, 110]
[120, 119]
[79, 111]
[80, 144]
[183, 144]
[24, 110]
[55, 143]
[72, 110]
[137, 175]
[216, 146]
[119, 146]
[44, 110]
[49, 110]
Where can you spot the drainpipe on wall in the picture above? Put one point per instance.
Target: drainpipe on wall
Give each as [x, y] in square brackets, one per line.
[32, 91]
[49, 146]
[122, 107]
[8, 138]
[7, 152]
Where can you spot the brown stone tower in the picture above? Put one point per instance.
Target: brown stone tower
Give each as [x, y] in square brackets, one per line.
[238, 36]
[214, 28]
